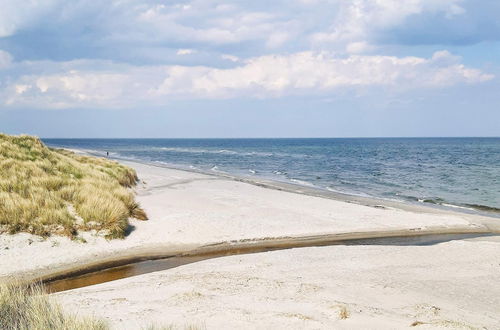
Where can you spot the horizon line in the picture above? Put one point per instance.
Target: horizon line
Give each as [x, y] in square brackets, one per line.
[264, 137]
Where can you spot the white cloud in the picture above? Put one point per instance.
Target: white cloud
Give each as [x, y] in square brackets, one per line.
[20, 89]
[308, 72]
[277, 39]
[305, 73]
[231, 58]
[185, 51]
[127, 30]
[356, 22]
[358, 47]
[5, 59]
[206, 22]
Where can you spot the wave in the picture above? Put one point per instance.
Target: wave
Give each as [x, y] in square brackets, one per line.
[216, 151]
[234, 152]
[302, 183]
[351, 193]
[466, 206]
[437, 200]
[443, 202]
[457, 206]
[484, 208]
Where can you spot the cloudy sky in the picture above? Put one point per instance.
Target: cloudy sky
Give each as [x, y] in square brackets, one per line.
[282, 68]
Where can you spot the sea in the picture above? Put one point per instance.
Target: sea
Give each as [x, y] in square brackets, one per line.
[461, 173]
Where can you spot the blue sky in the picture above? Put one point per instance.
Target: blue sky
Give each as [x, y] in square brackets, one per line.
[294, 68]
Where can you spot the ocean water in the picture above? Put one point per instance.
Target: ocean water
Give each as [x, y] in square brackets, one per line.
[455, 172]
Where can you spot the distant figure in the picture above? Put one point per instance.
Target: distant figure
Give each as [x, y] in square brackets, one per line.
[107, 154]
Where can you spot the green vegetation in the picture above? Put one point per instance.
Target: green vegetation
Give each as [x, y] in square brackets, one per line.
[45, 191]
[26, 307]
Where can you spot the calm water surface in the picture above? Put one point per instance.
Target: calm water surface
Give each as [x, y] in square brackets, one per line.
[457, 172]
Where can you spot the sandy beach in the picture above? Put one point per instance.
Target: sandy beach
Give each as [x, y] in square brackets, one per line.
[190, 165]
[452, 284]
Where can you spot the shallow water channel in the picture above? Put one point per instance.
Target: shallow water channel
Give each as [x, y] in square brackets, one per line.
[83, 279]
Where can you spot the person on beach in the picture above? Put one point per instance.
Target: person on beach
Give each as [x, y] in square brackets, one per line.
[107, 154]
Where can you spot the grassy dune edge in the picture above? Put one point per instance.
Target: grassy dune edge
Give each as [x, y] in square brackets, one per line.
[46, 191]
[28, 307]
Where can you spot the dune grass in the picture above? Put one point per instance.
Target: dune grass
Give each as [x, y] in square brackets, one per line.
[26, 307]
[29, 307]
[46, 191]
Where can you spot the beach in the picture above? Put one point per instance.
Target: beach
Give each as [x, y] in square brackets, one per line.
[191, 165]
[450, 284]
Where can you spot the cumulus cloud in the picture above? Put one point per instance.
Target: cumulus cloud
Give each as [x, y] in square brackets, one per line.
[276, 75]
[259, 77]
[137, 50]
[115, 29]
[213, 22]
[361, 22]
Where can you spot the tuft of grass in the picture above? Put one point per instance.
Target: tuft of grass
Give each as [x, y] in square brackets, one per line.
[24, 307]
[28, 306]
[344, 313]
[46, 191]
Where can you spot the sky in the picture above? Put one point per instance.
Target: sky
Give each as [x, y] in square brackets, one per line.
[282, 68]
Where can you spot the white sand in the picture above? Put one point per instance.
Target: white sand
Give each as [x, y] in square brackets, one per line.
[450, 285]
[391, 285]
[189, 209]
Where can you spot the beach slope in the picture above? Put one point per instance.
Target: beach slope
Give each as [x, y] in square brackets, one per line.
[188, 210]
[451, 284]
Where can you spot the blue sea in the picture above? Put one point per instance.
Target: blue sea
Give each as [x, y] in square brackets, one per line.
[454, 172]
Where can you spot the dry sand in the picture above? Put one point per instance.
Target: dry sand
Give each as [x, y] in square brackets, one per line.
[189, 210]
[451, 285]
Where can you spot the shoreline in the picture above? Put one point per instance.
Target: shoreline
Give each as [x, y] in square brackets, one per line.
[193, 214]
[471, 223]
[311, 189]
[316, 191]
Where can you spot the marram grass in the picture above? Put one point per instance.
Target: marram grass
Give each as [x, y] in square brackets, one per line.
[29, 307]
[46, 191]
[26, 307]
